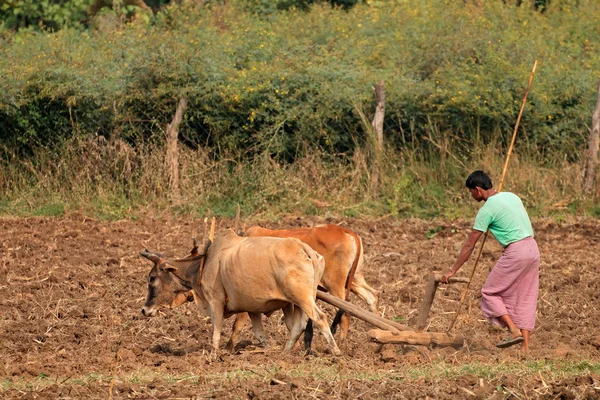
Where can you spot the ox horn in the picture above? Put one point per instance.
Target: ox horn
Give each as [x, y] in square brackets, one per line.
[194, 251]
[203, 249]
[150, 256]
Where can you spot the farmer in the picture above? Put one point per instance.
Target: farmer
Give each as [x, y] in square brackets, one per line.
[509, 295]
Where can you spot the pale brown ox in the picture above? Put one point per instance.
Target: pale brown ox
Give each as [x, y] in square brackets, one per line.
[245, 274]
[344, 260]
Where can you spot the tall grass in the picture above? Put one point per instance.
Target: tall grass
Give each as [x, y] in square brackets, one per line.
[113, 179]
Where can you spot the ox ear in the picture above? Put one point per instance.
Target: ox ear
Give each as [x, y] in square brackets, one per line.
[169, 268]
[182, 298]
[150, 256]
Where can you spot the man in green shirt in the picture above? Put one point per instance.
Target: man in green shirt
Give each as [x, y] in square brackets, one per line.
[509, 295]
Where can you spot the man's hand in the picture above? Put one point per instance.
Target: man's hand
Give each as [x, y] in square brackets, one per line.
[446, 277]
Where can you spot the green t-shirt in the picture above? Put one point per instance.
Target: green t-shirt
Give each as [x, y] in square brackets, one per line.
[504, 215]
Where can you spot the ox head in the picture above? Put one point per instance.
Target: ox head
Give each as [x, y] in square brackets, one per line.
[167, 282]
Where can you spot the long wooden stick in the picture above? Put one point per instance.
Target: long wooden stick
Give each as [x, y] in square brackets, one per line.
[211, 235]
[237, 220]
[512, 143]
[367, 316]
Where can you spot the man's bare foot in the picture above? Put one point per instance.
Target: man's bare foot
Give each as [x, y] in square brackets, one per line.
[510, 341]
[515, 332]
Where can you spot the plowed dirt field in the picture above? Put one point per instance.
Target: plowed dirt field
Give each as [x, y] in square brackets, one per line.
[72, 288]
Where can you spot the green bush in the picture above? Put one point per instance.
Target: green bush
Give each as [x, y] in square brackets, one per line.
[48, 14]
[297, 79]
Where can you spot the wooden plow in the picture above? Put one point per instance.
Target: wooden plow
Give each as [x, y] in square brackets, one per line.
[393, 332]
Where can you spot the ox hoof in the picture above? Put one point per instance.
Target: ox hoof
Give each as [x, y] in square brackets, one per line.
[230, 347]
[148, 312]
[213, 356]
[335, 352]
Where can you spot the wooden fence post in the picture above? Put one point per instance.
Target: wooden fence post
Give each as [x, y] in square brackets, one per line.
[172, 154]
[377, 124]
[379, 112]
[591, 159]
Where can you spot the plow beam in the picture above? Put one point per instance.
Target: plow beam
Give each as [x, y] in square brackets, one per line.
[417, 338]
[367, 316]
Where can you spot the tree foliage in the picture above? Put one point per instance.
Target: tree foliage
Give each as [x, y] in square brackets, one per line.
[56, 14]
[276, 84]
[52, 14]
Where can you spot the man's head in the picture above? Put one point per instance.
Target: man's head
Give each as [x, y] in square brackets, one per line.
[478, 184]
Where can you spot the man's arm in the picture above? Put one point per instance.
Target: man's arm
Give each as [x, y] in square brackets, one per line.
[464, 255]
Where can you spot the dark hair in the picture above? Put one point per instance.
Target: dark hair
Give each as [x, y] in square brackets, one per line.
[479, 178]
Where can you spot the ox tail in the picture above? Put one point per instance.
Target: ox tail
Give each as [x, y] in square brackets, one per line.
[308, 336]
[336, 321]
[319, 266]
[358, 260]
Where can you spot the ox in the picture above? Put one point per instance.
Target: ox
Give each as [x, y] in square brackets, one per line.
[344, 259]
[244, 274]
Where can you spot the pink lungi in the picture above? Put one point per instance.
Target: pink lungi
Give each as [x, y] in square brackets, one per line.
[512, 285]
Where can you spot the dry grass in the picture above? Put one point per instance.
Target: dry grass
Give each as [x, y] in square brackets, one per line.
[113, 179]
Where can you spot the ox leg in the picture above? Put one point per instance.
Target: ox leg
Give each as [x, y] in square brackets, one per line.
[217, 323]
[308, 337]
[288, 316]
[313, 312]
[257, 328]
[238, 326]
[341, 318]
[295, 320]
[366, 292]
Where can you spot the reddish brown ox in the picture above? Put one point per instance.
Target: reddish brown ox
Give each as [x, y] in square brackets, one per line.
[344, 259]
[245, 274]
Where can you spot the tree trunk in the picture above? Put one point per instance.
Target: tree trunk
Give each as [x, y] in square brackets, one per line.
[172, 153]
[116, 5]
[379, 113]
[591, 159]
[377, 124]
